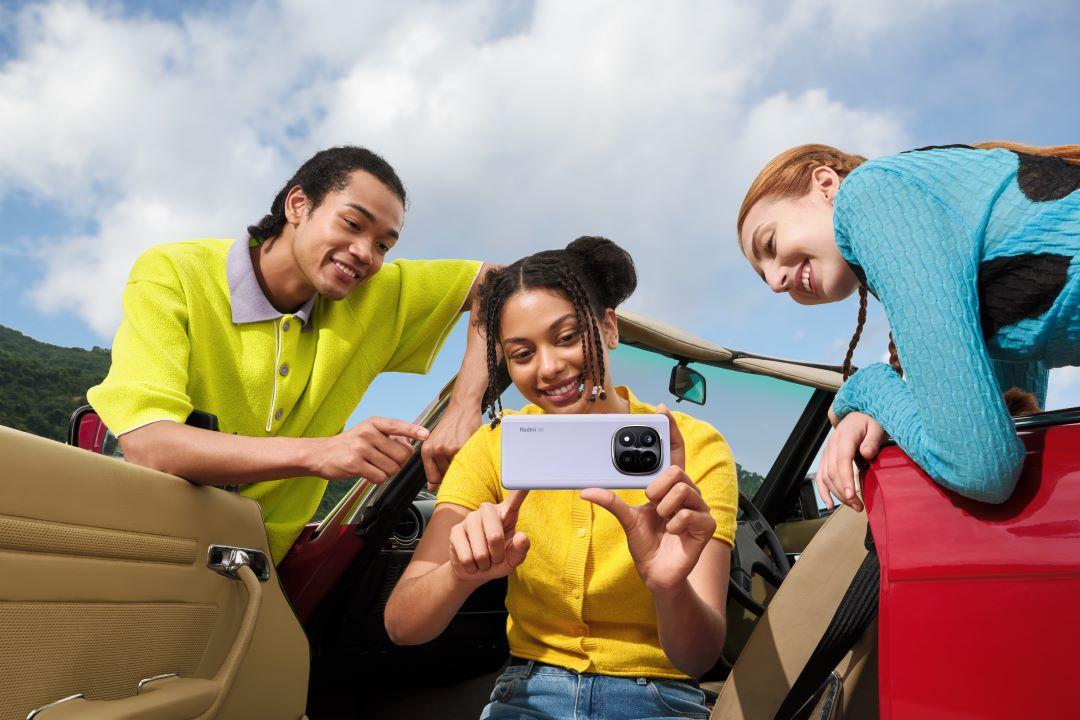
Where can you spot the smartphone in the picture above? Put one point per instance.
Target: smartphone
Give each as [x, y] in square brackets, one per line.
[561, 452]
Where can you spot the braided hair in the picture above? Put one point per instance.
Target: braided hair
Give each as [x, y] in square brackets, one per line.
[894, 359]
[593, 273]
[325, 172]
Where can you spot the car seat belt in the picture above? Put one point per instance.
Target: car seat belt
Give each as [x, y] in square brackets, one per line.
[856, 611]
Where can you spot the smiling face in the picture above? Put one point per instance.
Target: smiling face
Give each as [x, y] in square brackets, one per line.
[541, 341]
[346, 238]
[791, 244]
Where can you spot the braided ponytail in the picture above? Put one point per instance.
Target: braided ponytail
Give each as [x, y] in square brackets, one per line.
[858, 332]
[894, 358]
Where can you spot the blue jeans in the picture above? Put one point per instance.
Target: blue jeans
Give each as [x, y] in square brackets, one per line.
[535, 691]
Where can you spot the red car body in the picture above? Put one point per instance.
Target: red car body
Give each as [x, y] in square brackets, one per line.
[979, 603]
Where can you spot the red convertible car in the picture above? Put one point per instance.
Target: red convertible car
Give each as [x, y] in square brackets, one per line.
[127, 593]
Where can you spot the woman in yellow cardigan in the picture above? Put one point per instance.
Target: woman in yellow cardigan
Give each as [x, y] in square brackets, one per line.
[616, 598]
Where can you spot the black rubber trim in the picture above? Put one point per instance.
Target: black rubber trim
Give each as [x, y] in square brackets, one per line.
[781, 486]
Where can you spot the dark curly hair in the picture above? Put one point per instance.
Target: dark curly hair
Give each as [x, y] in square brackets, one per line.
[325, 172]
[593, 273]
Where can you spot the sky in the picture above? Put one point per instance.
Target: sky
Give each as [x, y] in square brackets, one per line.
[515, 125]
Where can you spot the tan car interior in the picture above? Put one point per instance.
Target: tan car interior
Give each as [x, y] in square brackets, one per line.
[104, 583]
[106, 593]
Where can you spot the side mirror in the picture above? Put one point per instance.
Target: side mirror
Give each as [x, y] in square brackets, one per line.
[687, 384]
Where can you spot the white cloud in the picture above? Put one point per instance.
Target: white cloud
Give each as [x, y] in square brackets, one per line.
[607, 118]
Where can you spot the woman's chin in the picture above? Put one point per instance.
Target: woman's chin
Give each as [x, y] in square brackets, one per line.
[575, 405]
[809, 299]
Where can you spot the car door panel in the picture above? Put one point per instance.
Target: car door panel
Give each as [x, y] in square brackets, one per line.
[794, 535]
[797, 534]
[104, 582]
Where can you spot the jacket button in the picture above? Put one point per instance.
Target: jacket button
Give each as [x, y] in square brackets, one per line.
[284, 370]
[279, 414]
[285, 326]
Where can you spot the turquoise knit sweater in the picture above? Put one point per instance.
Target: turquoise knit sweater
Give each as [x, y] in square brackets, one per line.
[975, 257]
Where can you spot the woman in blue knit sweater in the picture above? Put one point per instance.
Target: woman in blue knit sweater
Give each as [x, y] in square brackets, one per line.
[974, 253]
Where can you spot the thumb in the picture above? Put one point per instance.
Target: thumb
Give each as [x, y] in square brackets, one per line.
[870, 446]
[678, 447]
[517, 548]
[612, 503]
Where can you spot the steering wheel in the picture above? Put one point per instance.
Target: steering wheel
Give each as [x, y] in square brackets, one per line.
[753, 536]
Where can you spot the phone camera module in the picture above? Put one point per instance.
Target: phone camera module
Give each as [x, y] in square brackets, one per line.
[635, 450]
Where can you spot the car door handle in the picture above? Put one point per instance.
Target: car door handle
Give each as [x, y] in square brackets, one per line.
[174, 698]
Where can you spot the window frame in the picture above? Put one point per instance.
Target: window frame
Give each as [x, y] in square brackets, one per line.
[799, 448]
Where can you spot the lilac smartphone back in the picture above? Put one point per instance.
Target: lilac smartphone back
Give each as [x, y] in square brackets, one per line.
[560, 452]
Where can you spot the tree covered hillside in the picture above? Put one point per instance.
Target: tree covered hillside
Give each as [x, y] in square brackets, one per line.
[41, 384]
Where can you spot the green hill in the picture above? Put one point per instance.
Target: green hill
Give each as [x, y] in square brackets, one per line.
[41, 384]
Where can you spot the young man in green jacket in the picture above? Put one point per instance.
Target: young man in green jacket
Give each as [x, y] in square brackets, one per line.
[279, 335]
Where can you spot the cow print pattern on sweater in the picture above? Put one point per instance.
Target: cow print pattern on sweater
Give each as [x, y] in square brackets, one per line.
[1018, 287]
[1043, 179]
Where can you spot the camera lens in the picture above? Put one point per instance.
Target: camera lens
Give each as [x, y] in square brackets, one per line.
[628, 460]
[648, 438]
[648, 460]
[627, 438]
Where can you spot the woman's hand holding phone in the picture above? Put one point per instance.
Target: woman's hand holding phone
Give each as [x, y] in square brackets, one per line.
[485, 546]
[666, 535]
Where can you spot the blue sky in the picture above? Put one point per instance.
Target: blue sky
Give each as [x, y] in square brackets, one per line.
[516, 126]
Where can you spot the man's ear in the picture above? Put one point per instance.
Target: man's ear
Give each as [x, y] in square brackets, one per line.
[296, 205]
[610, 328]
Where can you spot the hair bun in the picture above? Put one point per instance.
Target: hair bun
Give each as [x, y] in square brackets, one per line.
[605, 267]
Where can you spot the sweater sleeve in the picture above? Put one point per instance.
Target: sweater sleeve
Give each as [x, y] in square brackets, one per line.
[429, 304]
[148, 378]
[947, 412]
